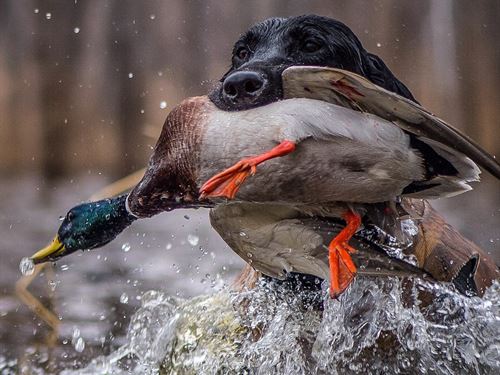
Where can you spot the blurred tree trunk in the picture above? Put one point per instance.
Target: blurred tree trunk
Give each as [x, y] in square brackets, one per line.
[478, 29]
[20, 130]
[195, 45]
[67, 103]
[126, 33]
[56, 52]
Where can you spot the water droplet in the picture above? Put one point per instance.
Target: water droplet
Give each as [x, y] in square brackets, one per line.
[193, 240]
[27, 266]
[126, 247]
[379, 45]
[249, 255]
[52, 285]
[76, 333]
[243, 234]
[124, 298]
[163, 104]
[76, 30]
[79, 345]
[48, 16]
[131, 75]
[36, 11]
[152, 16]
[168, 246]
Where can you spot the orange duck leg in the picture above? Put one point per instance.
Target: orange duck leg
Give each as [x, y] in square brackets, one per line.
[342, 268]
[227, 183]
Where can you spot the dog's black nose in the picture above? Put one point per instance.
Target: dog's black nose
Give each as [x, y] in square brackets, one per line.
[243, 85]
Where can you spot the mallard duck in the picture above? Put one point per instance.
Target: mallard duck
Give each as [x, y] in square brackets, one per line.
[314, 155]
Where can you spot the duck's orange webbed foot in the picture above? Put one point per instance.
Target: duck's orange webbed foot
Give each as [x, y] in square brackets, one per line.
[342, 268]
[227, 183]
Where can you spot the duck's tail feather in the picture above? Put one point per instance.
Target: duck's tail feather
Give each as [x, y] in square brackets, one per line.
[444, 184]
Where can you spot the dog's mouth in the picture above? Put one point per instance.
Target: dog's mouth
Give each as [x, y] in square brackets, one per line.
[249, 88]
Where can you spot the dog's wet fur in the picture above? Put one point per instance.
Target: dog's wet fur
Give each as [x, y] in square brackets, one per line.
[269, 47]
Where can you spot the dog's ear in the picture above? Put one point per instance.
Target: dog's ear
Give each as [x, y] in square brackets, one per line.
[379, 73]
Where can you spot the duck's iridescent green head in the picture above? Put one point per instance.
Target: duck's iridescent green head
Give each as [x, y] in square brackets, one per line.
[87, 226]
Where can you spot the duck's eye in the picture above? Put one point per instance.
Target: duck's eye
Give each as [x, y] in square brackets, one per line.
[242, 53]
[311, 46]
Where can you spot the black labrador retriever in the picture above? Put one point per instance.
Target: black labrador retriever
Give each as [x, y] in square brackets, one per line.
[262, 54]
[269, 47]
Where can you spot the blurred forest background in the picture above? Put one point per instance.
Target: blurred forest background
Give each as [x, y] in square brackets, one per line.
[85, 85]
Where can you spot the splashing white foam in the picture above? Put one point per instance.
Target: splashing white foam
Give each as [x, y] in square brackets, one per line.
[377, 326]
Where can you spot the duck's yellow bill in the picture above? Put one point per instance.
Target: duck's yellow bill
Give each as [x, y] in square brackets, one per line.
[50, 252]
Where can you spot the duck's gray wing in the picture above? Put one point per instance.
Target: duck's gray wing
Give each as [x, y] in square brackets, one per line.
[351, 90]
[278, 239]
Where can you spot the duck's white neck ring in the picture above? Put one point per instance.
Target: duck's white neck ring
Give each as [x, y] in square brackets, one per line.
[127, 207]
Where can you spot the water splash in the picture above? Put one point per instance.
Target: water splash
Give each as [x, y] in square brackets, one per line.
[7, 366]
[394, 247]
[193, 239]
[77, 341]
[124, 298]
[377, 326]
[27, 266]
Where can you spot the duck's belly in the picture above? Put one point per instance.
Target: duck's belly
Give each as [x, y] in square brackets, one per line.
[318, 171]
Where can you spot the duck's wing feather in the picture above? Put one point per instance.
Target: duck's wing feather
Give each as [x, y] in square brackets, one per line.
[278, 239]
[351, 90]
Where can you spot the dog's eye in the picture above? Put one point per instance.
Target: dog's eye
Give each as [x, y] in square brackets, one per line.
[311, 46]
[242, 53]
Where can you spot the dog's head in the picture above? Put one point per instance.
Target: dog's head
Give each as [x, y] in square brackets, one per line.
[268, 48]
